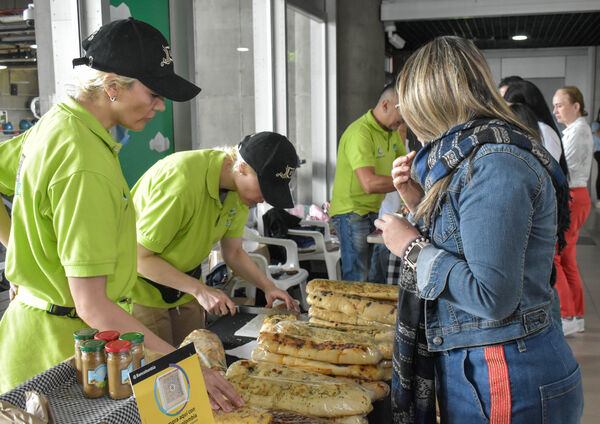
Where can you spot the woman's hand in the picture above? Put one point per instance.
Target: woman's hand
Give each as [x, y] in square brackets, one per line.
[221, 394]
[410, 191]
[397, 232]
[214, 301]
[273, 293]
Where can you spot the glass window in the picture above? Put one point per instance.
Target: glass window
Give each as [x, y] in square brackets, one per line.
[306, 101]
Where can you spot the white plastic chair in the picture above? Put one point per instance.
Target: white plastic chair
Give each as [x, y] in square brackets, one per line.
[286, 275]
[325, 248]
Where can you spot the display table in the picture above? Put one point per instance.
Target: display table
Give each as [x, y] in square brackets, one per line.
[70, 406]
[67, 402]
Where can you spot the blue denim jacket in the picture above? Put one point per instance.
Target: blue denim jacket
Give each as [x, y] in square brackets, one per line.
[486, 276]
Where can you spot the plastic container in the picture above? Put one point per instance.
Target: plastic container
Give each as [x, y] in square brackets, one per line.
[119, 362]
[137, 348]
[80, 336]
[93, 361]
[107, 336]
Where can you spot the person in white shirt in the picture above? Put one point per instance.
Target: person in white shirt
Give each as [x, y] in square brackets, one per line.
[569, 109]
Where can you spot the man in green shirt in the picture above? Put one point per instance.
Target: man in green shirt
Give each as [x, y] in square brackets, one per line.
[366, 152]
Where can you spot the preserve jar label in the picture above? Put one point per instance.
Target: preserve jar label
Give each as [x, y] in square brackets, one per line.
[125, 374]
[97, 376]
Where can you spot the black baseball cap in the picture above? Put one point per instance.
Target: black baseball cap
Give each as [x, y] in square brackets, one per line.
[274, 159]
[135, 49]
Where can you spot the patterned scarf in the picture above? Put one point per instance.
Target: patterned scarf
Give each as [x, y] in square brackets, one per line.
[413, 382]
[442, 156]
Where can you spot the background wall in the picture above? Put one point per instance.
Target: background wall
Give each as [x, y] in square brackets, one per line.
[225, 107]
[16, 104]
[361, 53]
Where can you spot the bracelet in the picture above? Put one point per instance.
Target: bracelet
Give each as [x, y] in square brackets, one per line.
[414, 241]
[411, 253]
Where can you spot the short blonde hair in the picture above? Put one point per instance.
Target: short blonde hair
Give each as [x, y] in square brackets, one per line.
[445, 83]
[89, 83]
[233, 154]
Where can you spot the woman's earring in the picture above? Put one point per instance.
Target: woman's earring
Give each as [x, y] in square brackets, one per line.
[112, 99]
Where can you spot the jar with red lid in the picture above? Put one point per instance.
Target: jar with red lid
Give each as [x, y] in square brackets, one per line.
[80, 336]
[137, 348]
[93, 363]
[108, 336]
[119, 362]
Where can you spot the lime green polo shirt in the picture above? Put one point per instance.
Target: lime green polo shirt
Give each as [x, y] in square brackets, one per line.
[180, 215]
[363, 144]
[10, 154]
[72, 210]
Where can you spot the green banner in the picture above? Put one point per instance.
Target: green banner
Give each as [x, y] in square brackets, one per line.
[142, 149]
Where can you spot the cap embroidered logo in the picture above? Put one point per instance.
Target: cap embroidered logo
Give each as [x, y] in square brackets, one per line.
[287, 174]
[167, 59]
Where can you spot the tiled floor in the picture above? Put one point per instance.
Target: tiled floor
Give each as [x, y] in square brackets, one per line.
[586, 346]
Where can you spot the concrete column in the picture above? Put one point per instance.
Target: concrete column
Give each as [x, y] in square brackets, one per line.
[225, 107]
[361, 51]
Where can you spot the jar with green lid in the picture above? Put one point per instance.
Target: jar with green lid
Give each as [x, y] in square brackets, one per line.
[93, 368]
[119, 363]
[137, 348]
[79, 336]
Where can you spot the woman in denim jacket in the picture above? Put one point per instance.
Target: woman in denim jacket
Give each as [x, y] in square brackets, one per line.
[489, 205]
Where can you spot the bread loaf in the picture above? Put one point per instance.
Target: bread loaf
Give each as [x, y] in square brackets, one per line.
[250, 415]
[209, 349]
[375, 389]
[365, 372]
[320, 399]
[372, 290]
[365, 308]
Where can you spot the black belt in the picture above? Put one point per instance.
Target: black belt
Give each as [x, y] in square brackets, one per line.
[169, 294]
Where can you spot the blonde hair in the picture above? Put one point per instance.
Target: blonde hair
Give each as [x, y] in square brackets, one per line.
[445, 83]
[89, 83]
[233, 154]
[575, 96]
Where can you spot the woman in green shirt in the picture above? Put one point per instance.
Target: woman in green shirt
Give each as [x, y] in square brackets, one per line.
[185, 204]
[72, 246]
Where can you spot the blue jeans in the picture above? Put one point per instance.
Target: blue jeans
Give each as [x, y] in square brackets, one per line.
[379, 264]
[544, 381]
[352, 230]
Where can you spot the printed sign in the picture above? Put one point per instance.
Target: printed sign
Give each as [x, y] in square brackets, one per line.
[171, 390]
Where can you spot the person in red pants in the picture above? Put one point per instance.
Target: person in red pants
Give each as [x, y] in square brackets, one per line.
[578, 144]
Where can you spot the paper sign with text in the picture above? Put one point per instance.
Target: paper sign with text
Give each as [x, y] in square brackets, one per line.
[171, 390]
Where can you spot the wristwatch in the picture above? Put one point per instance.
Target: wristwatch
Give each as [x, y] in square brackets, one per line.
[412, 252]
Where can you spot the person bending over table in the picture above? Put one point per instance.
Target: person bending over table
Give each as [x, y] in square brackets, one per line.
[186, 203]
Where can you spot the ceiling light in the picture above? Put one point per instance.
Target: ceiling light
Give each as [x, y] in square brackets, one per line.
[242, 49]
[519, 37]
[33, 46]
[2, 66]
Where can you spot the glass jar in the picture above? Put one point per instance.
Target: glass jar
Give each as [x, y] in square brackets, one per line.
[119, 362]
[108, 336]
[93, 368]
[79, 336]
[137, 348]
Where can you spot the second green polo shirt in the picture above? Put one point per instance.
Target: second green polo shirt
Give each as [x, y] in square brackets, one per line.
[180, 215]
[363, 144]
